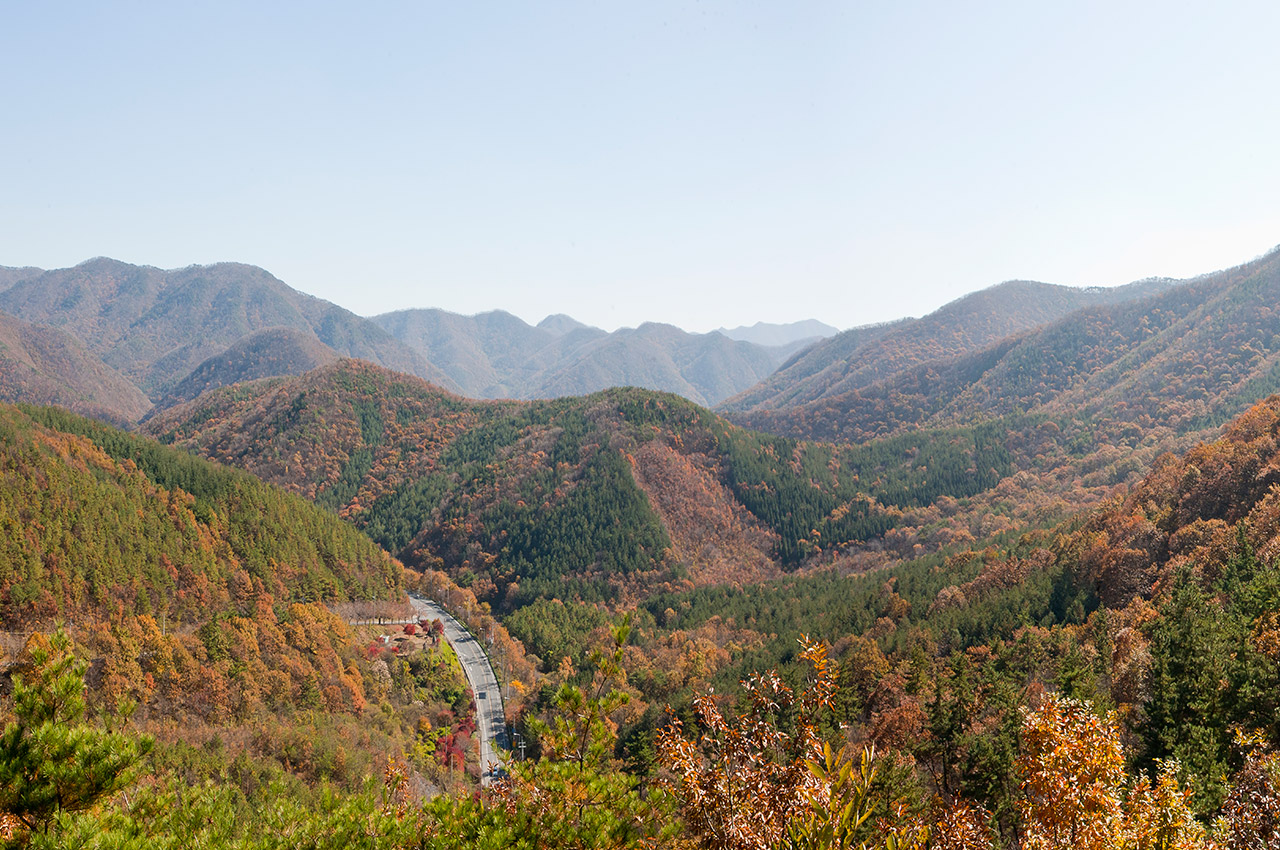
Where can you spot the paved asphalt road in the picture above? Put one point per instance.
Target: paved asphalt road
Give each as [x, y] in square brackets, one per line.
[489, 714]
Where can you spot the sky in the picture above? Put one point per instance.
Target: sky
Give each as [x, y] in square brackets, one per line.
[704, 164]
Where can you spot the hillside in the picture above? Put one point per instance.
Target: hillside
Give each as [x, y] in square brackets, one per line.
[42, 365]
[261, 354]
[216, 574]
[863, 356]
[9, 275]
[1158, 610]
[601, 497]
[1083, 656]
[207, 610]
[117, 519]
[497, 355]
[156, 326]
[1178, 361]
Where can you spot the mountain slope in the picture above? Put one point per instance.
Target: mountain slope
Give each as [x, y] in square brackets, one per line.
[10, 275]
[92, 517]
[42, 365]
[1178, 361]
[601, 497]
[261, 354]
[1189, 511]
[862, 356]
[208, 600]
[156, 326]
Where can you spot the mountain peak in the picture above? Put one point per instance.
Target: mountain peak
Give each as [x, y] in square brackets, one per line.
[560, 324]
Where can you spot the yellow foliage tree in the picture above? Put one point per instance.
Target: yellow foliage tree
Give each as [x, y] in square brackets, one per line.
[1074, 788]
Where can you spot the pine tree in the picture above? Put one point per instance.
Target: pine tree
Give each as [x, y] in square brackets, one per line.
[51, 760]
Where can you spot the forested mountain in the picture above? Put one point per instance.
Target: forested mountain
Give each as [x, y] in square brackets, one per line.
[1079, 659]
[594, 497]
[204, 604]
[989, 665]
[1181, 360]
[94, 519]
[863, 356]
[261, 354]
[497, 355]
[43, 365]
[1154, 617]
[207, 567]
[156, 326]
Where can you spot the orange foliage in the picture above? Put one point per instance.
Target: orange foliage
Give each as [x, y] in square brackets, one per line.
[741, 782]
[710, 530]
[1074, 794]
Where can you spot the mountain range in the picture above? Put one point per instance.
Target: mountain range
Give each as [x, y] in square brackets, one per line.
[155, 327]
[497, 355]
[862, 356]
[1011, 406]
[1023, 506]
[172, 333]
[1158, 355]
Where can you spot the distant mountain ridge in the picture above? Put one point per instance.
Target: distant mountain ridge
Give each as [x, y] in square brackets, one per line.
[862, 356]
[10, 275]
[497, 355]
[1178, 358]
[770, 333]
[156, 326]
[175, 333]
[262, 354]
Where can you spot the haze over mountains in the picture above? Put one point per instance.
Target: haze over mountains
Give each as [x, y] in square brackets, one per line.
[115, 340]
[1181, 357]
[43, 365]
[771, 333]
[497, 355]
[861, 356]
[174, 333]
[1026, 493]
[155, 327]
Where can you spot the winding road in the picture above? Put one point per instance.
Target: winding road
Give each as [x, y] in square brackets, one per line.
[490, 718]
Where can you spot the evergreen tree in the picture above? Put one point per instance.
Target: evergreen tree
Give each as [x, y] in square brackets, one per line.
[1188, 713]
[51, 760]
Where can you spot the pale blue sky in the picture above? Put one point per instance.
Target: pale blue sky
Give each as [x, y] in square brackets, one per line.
[704, 164]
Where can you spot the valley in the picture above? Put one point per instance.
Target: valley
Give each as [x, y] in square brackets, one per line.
[945, 541]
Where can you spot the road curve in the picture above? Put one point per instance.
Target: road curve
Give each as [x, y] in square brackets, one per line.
[490, 717]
